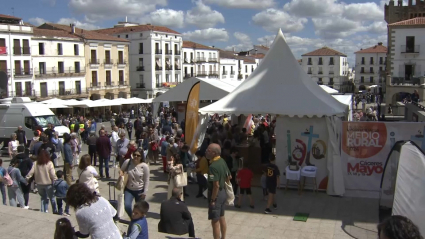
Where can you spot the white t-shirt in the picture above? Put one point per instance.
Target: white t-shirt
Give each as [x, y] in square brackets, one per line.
[88, 177]
[97, 221]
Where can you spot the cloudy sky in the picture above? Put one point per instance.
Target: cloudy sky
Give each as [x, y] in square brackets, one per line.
[345, 25]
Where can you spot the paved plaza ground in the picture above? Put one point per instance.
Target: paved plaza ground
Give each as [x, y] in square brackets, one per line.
[330, 217]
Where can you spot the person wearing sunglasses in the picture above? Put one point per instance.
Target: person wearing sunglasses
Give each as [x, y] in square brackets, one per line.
[138, 179]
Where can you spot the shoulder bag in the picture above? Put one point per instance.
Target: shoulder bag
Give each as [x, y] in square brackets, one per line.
[180, 180]
[122, 180]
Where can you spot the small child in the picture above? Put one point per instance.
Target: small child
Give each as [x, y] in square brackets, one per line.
[139, 225]
[64, 229]
[263, 185]
[61, 187]
[244, 178]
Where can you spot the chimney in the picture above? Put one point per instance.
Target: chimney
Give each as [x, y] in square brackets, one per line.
[379, 43]
[72, 27]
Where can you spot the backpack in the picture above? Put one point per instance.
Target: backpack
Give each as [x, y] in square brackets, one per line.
[7, 179]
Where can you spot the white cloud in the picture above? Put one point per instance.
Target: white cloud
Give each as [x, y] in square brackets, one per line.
[203, 16]
[273, 19]
[267, 40]
[83, 25]
[97, 10]
[313, 8]
[208, 35]
[165, 17]
[335, 27]
[249, 4]
[364, 11]
[50, 2]
[37, 21]
[244, 40]
[378, 27]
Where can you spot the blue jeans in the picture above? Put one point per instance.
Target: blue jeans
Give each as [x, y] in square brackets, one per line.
[15, 193]
[103, 162]
[3, 192]
[129, 195]
[59, 202]
[46, 192]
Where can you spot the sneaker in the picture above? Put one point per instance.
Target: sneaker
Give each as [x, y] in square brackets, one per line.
[65, 214]
[274, 206]
[267, 211]
[26, 207]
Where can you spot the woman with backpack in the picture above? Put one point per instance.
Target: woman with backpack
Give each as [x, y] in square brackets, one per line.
[13, 178]
[88, 174]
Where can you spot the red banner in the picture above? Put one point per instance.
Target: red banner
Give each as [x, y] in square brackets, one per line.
[3, 50]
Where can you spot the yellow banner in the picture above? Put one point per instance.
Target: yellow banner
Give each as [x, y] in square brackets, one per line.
[191, 121]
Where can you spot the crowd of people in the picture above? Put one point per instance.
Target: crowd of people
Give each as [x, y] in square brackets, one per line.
[216, 165]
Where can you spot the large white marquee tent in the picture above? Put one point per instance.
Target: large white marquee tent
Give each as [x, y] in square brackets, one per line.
[279, 86]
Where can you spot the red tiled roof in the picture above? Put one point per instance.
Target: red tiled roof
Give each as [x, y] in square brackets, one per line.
[53, 33]
[258, 56]
[190, 44]
[324, 51]
[9, 17]
[262, 47]
[138, 28]
[375, 49]
[227, 54]
[86, 34]
[413, 21]
[248, 61]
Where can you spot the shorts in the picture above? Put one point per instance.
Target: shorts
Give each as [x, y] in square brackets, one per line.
[245, 190]
[271, 188]
[214, 213]
[265, 193]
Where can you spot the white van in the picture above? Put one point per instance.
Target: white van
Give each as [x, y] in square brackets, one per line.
[20, 111]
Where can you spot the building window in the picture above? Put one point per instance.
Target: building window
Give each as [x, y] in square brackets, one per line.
[167, 78]
[371, 70]
[121, 77]
[94, 78]
[410, 44]
[141, 79]
[381, 60]
[108, 57]
[140, 48]
[108, 78]
[140, 61]
[362, 70]
[126, 36]
[246, 69]
[60, 51]
[61, 68]
[309, 61]
[41, 48]
[331, 81]
[158, 82]
[120, 57]
[371, 60]
[362, 79]
[320, 80]
[77, 67]
[141, 34]
[118, 36]
[331, 61]
[42, 68]
[363, 62]
[320, 61]
[320, 70]
[76, 50]
[309, 70]
[371, 79]
[176, 77]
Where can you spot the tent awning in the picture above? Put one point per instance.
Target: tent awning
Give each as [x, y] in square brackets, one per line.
[328, 89]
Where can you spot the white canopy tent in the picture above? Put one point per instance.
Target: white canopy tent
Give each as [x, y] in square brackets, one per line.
[55, 105]
[279, 86]
[346, 99]
[328, 89]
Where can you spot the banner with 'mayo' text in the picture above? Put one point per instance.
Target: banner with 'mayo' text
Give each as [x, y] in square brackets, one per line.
[365, 148]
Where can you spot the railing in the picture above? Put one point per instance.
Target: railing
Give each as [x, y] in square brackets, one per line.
[409, 49]
[186, 61]
[331, 63]
[320, 62]
[177, 53]
[406, 81]
[53, 72]
[23, 73]
[140, 68]
[140, 85]
[122, 63]
[214, 74]
[212, 59]
[193, 60]
[202, 73]
[320, 73]
[109, 83]
[168, 52]
[158, 68]
[122, 83]
[94, 61]
[232, 73]
[310, 72]
[168, 68]
[140, 51]
[95, 84]
[21, 50]
[60, 93]
[331, 83]
[382, 62]
[201, 59]
[225, 72]
[158, 51]
[309, 63]
[21, 93]
[367, 71]
[177, 68]
[187, 76]
[331, 73]
[108, 62]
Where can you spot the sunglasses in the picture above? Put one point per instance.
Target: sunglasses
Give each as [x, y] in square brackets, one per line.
[137, 155]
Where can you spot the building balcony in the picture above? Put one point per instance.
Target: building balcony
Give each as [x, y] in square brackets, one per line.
[158, 51]
[177, 53]
[21, 93]
[168, 52]
[17, 51]
[214, 73]
[186, 61]
[61, 93]
[187, 76]
[309, 72]
[406, 81]
[140, 68]
[410, 49]
[320, 72]
[213, 60]
[95, 85]
[94, 63]
[158, 68]
[122, 83]
[225, 73]
[140, 85]
[309, 63]
[367, 72]
[331, 83]
[121, 63]
[331, 63]
[108, 63]
[177, 68]
[320, 82]
[331, 72]
[320, 63]
[53, 72]
[232, 73]
[23, 73]
[168, 68]
[240, 77]
[3, 51]
[201, 59]
[201, 73]
[109, 84]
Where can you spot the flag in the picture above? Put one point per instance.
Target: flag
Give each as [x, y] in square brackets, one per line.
[3, 50]
[191, 120]
[248, 123]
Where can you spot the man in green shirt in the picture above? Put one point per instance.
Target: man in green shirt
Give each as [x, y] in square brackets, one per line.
[218, 175]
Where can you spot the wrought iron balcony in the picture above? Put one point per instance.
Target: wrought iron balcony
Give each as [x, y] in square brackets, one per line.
[201, 59]
[23, 73]
[410, 49]
[94, 61]
[140, 68]
[158, 68]
[140, 85]
[168, 68]
[108, 63]
[201, 73]
[212, 59]
[225, 72]
[122, 83]
[121, 63]
[168, 52]
[177, 53]
[54, 72]
[406, 81]
[158, 51]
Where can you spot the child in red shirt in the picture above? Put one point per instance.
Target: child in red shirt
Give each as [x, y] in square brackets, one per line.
[244, 178]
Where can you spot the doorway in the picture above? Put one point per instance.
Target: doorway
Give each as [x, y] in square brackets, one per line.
[408, 71]
[43, 89]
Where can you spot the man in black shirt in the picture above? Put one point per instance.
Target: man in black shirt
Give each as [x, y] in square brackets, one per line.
[20, 134]
[272, 182]
[50, 148]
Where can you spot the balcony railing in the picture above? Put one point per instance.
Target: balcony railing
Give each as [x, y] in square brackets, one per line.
[23, 73]
[309, 63]
[122, 63]
[158, 51]
[177, 53]
[212, 59]
[409, 49]
[225, 72]
[406, 81]
[310, 72]
[168, 52]
[320, 82]
[21, 50]
[140, 68]
[21, 93]
[320, 73]
[53, 72]
[109, 83]
[140, 85]
[122, 83]
[214, 73]
[320, 62]
[177, 68]
[158, 68]
[331, 63]
[331, 73]
[94, 61]
[367, 71]
[108, 63]
[62, 93]
[187, 76]
[95, 85]
[201, 59]
[168, 68]
[202, 73]
[331, 83]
